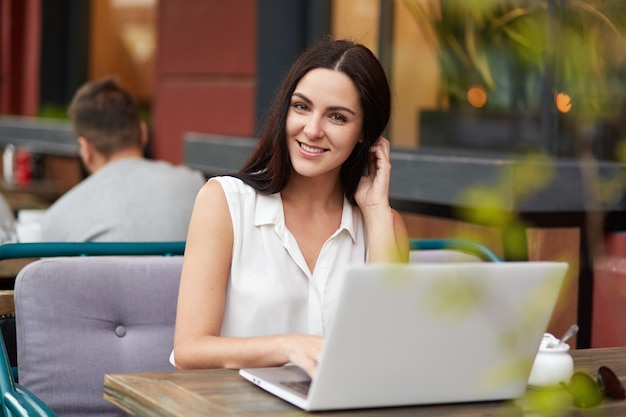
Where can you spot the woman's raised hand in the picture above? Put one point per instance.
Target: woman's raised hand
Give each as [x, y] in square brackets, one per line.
[373, 189]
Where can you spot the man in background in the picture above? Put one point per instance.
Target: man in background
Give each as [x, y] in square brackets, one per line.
[7, 222]
[126, 197]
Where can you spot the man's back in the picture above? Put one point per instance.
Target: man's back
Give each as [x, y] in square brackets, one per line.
[131, 199]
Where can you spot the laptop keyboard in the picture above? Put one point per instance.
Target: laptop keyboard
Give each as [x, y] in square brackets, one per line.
[299, 386]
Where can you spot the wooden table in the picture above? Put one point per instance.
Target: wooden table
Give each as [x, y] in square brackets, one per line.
[209, 393]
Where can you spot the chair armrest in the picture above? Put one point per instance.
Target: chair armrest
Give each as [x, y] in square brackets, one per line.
[23, 403]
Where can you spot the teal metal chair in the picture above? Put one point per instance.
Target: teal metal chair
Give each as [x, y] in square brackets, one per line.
[79, 318]
[17, 401]
[463, 245]
[57, 249]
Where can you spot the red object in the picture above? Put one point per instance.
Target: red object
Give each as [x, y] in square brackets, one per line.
[23, 168]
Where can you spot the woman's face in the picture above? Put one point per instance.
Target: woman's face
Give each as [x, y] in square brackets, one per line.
[324, 122]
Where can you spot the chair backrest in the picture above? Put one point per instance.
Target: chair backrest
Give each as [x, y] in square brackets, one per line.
[49, 249]
[441, 255]
[450, 250]
[79, 318]
[53, 249]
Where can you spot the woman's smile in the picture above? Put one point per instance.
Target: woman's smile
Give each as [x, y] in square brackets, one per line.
[311, 149]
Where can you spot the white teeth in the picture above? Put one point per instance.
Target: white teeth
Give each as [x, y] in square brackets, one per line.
[310, 149]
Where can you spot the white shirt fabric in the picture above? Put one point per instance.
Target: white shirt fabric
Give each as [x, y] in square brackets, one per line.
[271, 289]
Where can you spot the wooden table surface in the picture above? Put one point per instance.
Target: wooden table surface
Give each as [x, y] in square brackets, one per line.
[209, 393]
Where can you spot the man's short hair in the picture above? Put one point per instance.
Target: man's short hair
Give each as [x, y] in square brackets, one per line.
[106, 116]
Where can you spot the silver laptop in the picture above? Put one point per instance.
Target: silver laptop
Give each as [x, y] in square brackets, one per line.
[426, 334]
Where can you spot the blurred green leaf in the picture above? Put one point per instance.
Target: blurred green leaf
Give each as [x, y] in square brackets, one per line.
[494, 43]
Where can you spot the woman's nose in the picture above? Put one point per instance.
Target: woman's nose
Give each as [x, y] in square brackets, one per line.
[313, 127]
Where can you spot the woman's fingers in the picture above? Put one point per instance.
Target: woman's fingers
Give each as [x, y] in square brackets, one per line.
[306, 351]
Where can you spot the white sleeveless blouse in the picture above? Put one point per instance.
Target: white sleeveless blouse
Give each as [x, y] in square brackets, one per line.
[270, 289]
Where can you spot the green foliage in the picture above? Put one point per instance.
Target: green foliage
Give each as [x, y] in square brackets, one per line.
[52, 111]
[512, 45]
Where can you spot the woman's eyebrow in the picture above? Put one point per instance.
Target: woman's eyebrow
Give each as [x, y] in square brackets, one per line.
[333, 108]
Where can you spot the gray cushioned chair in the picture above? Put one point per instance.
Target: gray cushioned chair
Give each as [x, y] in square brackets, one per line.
[79, 318]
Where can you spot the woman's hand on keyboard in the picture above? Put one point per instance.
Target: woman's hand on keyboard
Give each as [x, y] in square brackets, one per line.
[304, 351]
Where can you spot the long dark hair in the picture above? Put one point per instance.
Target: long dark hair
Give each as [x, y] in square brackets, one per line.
[269, 167]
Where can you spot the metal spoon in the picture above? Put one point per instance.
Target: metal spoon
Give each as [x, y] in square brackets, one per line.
[569, 333]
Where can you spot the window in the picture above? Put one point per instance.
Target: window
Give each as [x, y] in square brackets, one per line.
[500, 75]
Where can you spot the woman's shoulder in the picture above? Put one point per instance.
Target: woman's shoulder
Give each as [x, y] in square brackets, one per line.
[231, 183]
[225, 192]
[235, 193]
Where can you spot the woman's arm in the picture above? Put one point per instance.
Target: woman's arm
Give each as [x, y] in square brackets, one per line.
[386, 232]
[202, 299]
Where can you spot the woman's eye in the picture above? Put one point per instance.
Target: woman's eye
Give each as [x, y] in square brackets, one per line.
[299, 106]
[338, 117]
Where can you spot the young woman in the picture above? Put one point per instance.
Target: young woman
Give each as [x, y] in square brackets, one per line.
[266, 247]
